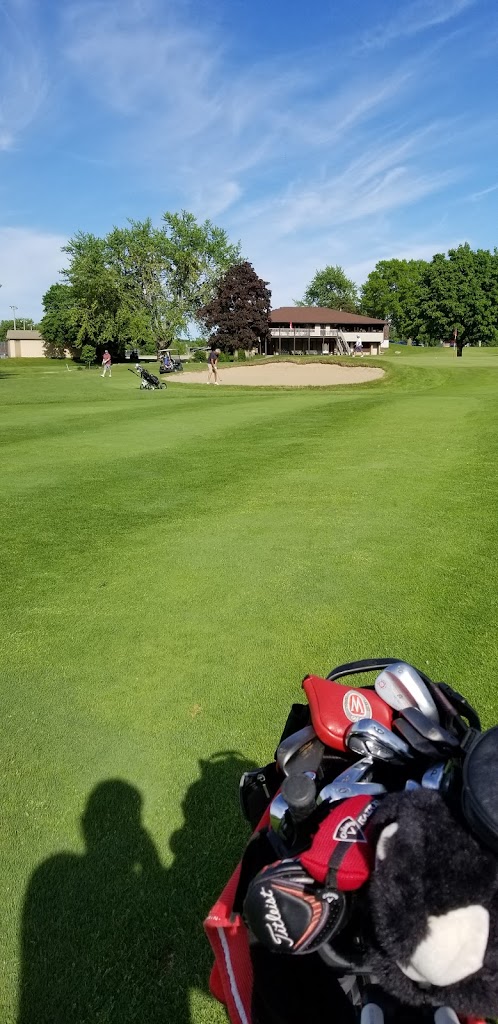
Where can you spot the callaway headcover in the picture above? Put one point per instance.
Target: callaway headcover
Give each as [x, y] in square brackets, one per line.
[434, 905]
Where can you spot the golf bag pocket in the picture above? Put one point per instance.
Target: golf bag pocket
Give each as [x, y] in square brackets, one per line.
[231, 980]
[480, 793]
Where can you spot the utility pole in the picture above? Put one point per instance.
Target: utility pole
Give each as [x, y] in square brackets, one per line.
[14, 311]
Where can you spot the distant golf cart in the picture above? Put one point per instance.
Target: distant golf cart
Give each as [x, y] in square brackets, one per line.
[169, 363]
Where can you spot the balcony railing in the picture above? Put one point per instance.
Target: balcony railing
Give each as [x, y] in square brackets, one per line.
[303, 332]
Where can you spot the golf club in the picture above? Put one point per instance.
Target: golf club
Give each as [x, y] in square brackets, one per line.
[438, 776]
[372, 739]
[372, 1014]
[299, 792]
[355, 781]
[452, 706]
[278, 810]
[301, 752]
[429, 730]
[279, 805]
[335, 791]
[445, 1015]
[410, 785]
[400, 686]
[419, 745]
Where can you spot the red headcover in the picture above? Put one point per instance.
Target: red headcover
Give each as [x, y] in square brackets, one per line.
[334, 707]
[341, 853]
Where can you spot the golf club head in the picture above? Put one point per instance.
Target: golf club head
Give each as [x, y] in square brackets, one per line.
[372, 1013]
[438, 776]
[430, 730]
[301, 752]
[360, 771]
[419, 745]
[445, 1015]
[336, 791]
[369, 738]
[278, 810]
[400, 686]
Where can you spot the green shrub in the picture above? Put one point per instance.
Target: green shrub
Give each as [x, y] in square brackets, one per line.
[88, 354]
[199, 356]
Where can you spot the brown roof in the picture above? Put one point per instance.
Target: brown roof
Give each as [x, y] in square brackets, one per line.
[24, 335]
[319, 315]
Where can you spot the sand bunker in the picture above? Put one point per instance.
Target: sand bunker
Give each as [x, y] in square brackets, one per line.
[289, 375]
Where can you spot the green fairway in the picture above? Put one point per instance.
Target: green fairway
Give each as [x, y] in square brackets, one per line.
[174, 563]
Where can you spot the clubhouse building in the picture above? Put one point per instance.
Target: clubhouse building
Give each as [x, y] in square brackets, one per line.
[313, 330]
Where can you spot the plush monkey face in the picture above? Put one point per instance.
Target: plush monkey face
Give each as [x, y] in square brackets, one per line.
[434, 901]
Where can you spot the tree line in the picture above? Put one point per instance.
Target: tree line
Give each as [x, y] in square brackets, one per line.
[144, 287]
[453, 295]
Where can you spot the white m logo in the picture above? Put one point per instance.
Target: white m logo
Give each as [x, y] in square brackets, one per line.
[356, 706]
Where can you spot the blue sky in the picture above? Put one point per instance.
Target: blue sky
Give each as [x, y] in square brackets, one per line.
[315, 133]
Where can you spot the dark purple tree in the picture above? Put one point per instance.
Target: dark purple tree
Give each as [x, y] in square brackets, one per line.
[238, 316]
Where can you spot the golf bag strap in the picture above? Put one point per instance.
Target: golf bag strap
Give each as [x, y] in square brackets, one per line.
[342, 853]
[335, 707]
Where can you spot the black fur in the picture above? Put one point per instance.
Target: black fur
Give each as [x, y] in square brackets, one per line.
[432, 865]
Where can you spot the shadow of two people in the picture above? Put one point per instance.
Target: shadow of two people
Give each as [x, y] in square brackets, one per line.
[112, 937]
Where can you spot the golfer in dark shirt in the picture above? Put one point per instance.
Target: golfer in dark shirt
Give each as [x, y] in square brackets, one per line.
[213, 365]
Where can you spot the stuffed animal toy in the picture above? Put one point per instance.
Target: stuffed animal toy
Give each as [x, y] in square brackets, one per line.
[433, 898]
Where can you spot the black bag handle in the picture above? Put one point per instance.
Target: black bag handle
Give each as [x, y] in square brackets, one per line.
[461, 706]
[351, 668]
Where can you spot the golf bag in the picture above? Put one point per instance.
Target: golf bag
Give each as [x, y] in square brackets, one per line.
[148, 381]
[310, 927]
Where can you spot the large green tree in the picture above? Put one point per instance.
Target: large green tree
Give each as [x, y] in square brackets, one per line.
[458, 295]
[197, 255]
[391, 292]
[238, 315]
[331, 288]
[60, 322]
[136, 256]
[139, 286]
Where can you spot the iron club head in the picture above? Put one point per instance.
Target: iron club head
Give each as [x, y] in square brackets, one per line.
[301, 752]
[354, 781]
[400, 686]
[371, 738]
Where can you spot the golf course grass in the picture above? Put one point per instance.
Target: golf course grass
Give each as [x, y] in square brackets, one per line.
[174, 562]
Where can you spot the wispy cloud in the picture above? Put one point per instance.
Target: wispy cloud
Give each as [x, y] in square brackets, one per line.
[300, 159]
[383, 178]
[22, 76]
[29, 263]
[483, 192]
[412, 19]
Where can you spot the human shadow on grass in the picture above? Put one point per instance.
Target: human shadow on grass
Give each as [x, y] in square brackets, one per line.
[111, 936]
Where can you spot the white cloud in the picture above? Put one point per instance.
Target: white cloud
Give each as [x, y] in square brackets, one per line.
[412, 19]
[22, 75]
[29, 264]
[483, 192]
[306, 166]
